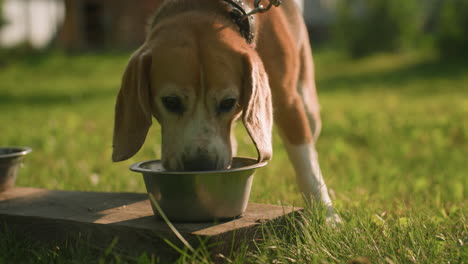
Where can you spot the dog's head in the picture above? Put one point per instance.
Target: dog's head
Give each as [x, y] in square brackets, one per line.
[196, 83]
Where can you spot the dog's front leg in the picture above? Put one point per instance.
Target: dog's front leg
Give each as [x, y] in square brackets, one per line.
[299, 131]
[309, 177]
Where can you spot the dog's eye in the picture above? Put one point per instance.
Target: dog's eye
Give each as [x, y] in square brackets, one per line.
[173, 104]
[226, 105]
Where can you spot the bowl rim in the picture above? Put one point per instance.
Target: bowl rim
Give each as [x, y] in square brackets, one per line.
[137, 168]
[19, 151]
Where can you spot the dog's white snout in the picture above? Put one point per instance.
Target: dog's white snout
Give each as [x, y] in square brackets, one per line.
[199, 160]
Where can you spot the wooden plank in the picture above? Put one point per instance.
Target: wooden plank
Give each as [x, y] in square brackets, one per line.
[50, 215]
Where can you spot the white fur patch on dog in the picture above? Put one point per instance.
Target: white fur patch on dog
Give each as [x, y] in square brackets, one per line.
[309, 178]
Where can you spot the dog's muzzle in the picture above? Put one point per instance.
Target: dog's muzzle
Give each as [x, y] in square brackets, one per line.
[200, 161]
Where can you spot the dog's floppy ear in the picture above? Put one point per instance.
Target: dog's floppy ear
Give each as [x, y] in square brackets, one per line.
[133, 110]
[257, 109]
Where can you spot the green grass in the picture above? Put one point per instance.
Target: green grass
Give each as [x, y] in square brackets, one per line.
[393, 150]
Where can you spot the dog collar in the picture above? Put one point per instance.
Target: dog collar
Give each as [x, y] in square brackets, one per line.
[242, 16]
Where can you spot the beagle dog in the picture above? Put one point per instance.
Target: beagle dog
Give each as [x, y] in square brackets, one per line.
[205, 64]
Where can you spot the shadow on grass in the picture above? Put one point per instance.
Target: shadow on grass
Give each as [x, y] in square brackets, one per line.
[397, 78]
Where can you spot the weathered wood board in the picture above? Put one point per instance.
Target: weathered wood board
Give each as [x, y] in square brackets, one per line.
[57, 216]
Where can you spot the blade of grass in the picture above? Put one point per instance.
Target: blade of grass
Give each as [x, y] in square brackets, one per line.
[169, 224]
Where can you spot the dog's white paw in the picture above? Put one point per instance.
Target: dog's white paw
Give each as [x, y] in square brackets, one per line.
[333, 219]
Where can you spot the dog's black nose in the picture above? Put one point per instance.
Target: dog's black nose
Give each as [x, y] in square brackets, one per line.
[199, 162]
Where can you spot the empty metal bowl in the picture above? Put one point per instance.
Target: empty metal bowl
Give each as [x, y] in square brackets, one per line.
[200, 196]
[10, 159]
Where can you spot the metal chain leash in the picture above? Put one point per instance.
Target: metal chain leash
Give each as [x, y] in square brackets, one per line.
[243, 15]
[259, 8]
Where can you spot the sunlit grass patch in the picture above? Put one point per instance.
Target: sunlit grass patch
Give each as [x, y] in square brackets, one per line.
[393, 152]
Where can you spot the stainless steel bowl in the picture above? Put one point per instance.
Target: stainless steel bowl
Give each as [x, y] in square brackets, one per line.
[199, 196]
[10, 159]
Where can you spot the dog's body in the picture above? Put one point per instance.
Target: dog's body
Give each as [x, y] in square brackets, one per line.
[196, 74]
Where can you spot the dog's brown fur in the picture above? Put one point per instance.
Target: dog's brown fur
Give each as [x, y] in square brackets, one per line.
[282, 52]
[195, 53]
